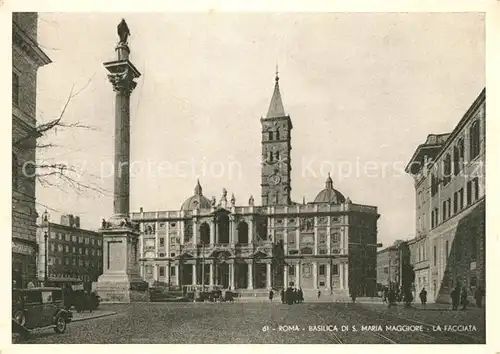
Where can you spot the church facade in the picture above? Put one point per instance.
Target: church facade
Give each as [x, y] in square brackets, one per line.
[329, 244]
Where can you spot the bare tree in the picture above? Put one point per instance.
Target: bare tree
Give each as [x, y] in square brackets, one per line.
[58, 174]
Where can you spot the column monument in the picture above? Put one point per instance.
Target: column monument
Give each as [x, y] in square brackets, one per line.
[120, 276]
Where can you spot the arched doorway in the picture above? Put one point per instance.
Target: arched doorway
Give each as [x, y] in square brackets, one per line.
[242, 233]
[204, 234]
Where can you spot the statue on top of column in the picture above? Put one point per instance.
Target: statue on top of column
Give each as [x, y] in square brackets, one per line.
[223, 200]
[233, 200]
[251, 201]
[123, 32]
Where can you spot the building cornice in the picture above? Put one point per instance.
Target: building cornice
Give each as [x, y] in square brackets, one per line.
[29, 46]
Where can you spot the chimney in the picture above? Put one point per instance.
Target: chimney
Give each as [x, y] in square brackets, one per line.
[71, 220]
[141, 210]
[77, 222]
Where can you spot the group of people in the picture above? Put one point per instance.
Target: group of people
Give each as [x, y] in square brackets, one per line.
[289, 296]
[459, 296]
[392, 295]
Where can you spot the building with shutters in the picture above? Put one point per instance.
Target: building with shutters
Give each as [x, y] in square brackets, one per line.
[449, 174]
[329, 244]
[73, 254]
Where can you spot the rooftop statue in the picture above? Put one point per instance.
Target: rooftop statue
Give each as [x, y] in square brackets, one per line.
[123, 32]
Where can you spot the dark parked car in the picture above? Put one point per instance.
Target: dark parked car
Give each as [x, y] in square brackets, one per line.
[39, 307]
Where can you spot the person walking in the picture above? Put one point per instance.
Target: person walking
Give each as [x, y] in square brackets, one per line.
[455, 297]
[271, 295]
[463, 298]
[282, 293]
[319, 294]
[478, 295]
[301, 295]
[423, 297]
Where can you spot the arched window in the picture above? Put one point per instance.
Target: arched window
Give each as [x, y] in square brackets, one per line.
[458, 157]
[474, 139]
[447, 169]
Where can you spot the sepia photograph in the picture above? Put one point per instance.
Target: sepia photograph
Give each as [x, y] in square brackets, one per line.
[248, 178]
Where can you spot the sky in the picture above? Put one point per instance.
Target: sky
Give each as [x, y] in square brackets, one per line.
[363, 91]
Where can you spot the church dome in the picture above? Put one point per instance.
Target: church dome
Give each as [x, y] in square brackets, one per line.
[197, 201]
[329, 194]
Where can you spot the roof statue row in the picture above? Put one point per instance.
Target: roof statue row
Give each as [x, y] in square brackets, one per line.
[328, 195]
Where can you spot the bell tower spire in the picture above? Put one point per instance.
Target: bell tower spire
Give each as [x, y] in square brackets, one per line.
[276, 147]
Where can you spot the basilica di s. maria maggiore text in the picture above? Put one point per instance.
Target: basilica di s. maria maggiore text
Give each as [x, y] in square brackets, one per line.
[329, 244]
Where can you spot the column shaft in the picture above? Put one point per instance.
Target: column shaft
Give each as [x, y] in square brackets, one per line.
[194, 274]
[315, 274]
[122, 153]
[268, 275]
[250, 276]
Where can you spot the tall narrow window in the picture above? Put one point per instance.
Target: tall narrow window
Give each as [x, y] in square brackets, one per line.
[474, 139]
[447, 169]
[277, 135]
[15, 89]
[444, 210]
[435, 255]
[271, 156]
[475, 183]
[458, 157]
[447, 249]
[455, 202]
[469, 193]
[270, 135]
[449, 208]
[434, 185]
[461, 198]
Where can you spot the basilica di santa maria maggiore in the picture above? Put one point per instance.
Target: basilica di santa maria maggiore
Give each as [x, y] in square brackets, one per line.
[328, 245]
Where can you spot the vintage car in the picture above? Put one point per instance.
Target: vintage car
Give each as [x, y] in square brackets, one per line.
[39, 307]
[82, 300]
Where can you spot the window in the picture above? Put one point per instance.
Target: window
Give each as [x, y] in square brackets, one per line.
[66, 249]
[322, 238]
[86, 251]
[449, 208]
[270, 135]
[432, 219]
[444, 210]
[461, 198]
[74, 238]
[53, 235]
[458, 157]
[74, 261]
[162, 241]
[15, 89]
[322, 269]
[474, 139]
[447, 170]
[335, 269]
[98, 252]
[81, 262]
[455, 202]
[434, 185]
[66, 261]
[162, 271]
[52, 247]
[277, 155]
[291, 270]
[67, 237]
[271, 156]
[336, 237]
[435, 256]
[60, 248]
[447, 247]
[172, 271]
[321, 283]
[475, 183]
[172, 224]
[386, 270]
[469, 193]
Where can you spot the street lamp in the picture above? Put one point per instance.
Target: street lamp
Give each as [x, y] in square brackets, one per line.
[46, 224]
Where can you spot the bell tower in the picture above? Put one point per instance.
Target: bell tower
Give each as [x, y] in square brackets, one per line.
[276, 148]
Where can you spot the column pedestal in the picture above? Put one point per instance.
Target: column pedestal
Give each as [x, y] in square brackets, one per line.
[120, 281]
